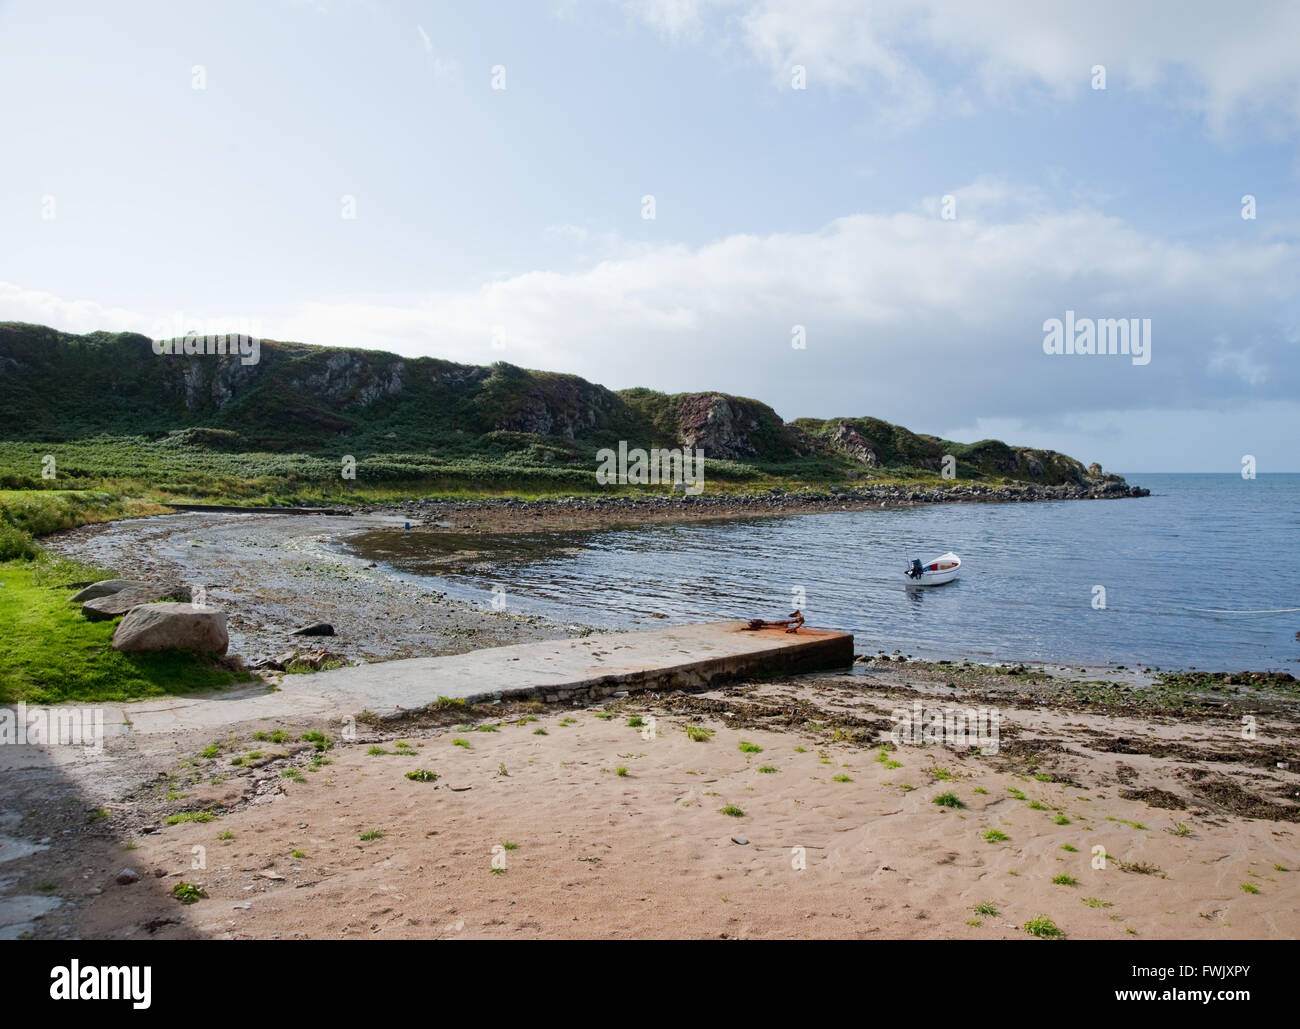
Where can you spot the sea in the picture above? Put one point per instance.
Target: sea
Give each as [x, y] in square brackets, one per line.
[1204, 573]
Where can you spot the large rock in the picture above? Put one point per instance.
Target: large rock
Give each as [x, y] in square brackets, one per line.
[119, 603]
[172, 627]
[104, 588]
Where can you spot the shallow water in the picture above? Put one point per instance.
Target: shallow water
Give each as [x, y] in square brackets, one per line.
[1199, 574]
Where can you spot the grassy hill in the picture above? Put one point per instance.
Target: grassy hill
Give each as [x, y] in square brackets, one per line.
[120, 418]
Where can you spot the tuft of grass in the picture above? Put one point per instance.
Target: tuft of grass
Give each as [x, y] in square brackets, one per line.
[189, 816]
[621, 771]
[1061, 820]
[540, 732]
[188, 893]
[1180, 829]
[377, 751]
[318, 739]
[768, 769]
[1070, 848]
[1015, 793]
[1094, 902]
[732, 811]
[1250, 887]
[226, 835]
[297, 853]
[422, 775]
[947, 800]
[635, 722]
[1044, 928]
[841, 778]
[372, 834]
[1065, 880]
[986, 909]
[980, 789]
[210, 751]
[995, 836]
[507, 845]
[746, 747]
[461, 743]
[698, 734]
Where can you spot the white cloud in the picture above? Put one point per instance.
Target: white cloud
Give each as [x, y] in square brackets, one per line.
[1222, 61]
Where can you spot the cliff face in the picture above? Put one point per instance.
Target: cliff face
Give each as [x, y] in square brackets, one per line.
[297, 397]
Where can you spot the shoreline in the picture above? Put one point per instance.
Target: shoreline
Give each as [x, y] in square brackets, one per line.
[559, 513]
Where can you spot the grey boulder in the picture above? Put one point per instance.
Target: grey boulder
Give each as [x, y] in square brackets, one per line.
[172, 627]
[104, 588]
[119, 603]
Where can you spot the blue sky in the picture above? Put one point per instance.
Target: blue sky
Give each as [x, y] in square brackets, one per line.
[506, 224]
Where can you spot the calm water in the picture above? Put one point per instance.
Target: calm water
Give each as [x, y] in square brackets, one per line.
[1201, 573]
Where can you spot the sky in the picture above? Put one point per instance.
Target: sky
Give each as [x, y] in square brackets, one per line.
[673, 193]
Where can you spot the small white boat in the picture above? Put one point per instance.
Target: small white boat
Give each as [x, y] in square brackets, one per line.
[942, 569]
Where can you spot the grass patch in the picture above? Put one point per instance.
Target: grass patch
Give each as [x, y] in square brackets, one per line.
[746, 747]
[732, 811]
[768, 769]
[947, 800]
[50, 654]
[189, 816]
[1094, 902]
[698, 734]
[841, 778]
[995, 836]
[1250, 888]
[1065, 880]
[461, 743]
[372, 834]
[986, 909]
[422, 775]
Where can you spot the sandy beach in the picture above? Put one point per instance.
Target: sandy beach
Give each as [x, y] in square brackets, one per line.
[609, 821]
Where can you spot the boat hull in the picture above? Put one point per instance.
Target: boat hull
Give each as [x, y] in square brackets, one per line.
[938, 572]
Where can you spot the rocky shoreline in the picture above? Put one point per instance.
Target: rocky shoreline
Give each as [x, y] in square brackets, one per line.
[579, 512]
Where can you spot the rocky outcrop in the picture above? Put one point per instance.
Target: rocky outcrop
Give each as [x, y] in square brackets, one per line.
[152, 627]
[853, 444]
[731, 428]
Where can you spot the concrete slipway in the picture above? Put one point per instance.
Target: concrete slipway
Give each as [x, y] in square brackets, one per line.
[586, 668]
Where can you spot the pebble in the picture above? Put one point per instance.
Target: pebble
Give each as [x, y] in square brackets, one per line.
[127, 876]
[741, 840]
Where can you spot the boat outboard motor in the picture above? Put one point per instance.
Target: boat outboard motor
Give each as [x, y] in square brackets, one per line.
[915, 570]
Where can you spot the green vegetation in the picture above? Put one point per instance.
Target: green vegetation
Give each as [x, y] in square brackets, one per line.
[372, 834]
[948, 800]
[188, 893]
[422, 775]
[841, 778]
[1044, 928]
[50, 654]
[995, 836]
[749, 748]
[732, 811]
[189, 816]
[986, 909]
[1065, 880]
[699, 734]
